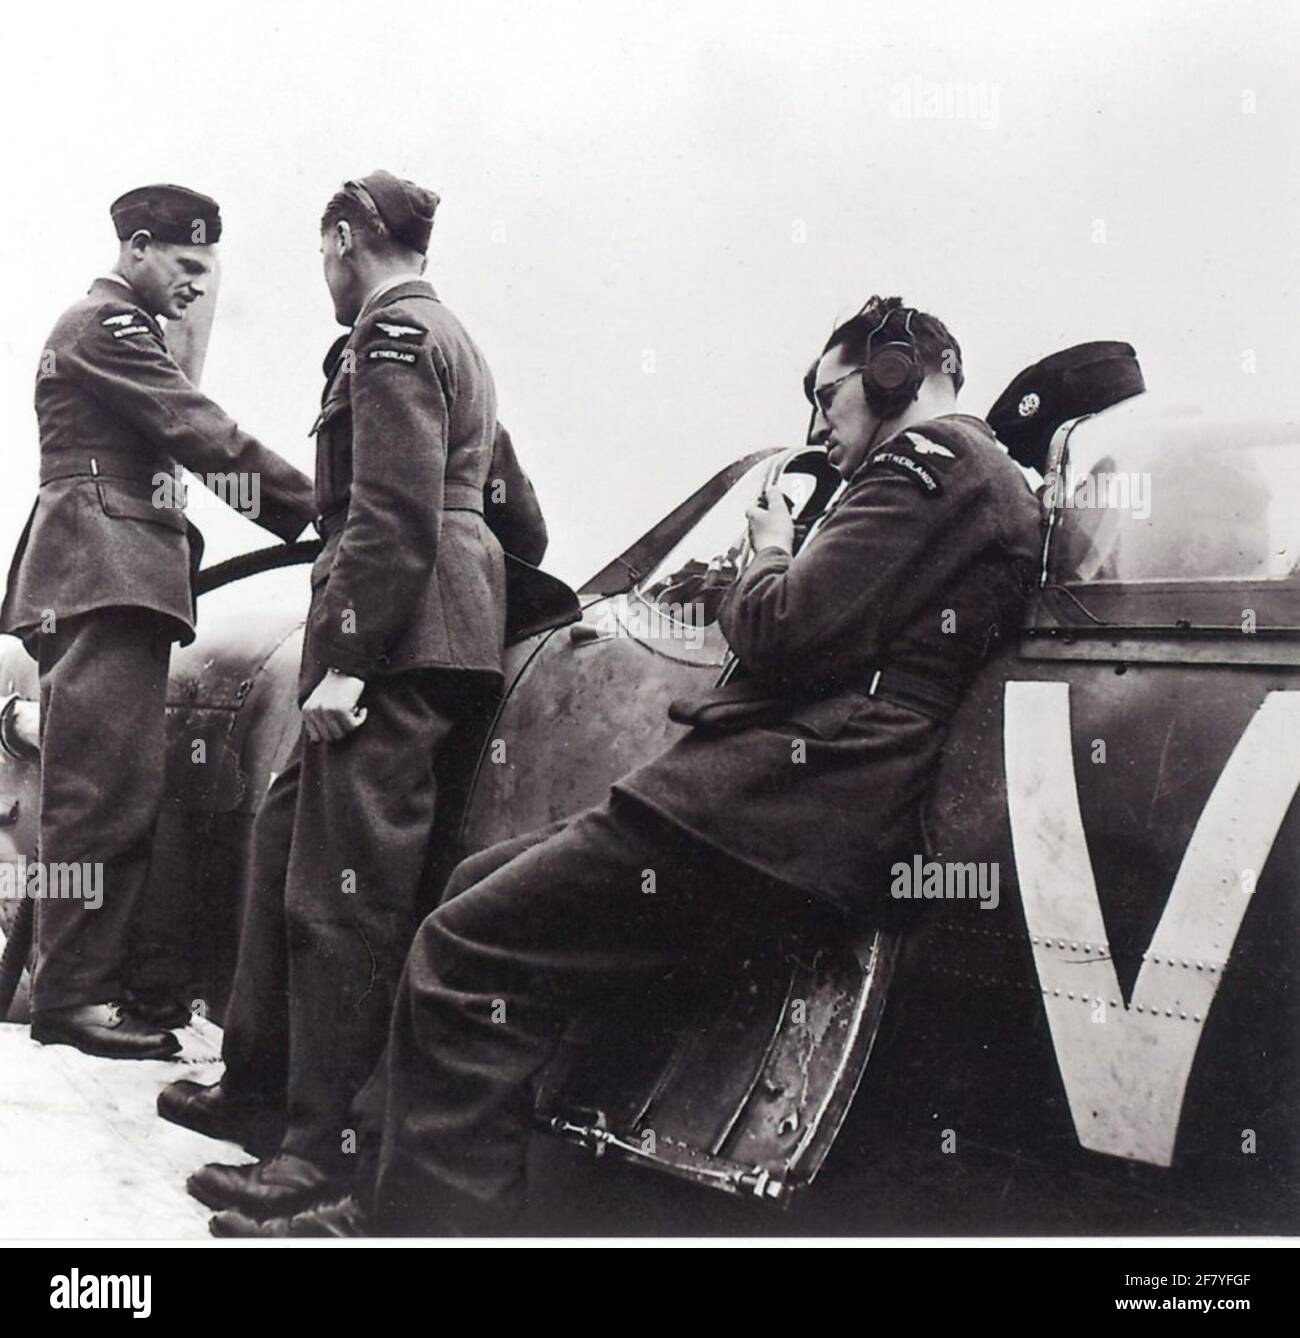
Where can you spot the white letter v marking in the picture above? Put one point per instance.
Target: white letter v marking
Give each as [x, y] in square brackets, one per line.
[1125, 1079]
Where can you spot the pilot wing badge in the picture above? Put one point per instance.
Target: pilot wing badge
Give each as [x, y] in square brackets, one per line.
[399, 331]
[923, 447]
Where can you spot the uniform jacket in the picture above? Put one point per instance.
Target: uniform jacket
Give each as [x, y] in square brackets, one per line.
[920, 568]
[410, 575]
[116, 418]
[510, 505]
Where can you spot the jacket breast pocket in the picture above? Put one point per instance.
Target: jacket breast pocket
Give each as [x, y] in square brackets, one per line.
[333, 432]
[124, 500]
[827, 718]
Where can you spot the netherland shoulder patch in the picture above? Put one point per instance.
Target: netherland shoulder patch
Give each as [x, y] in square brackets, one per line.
[404, 355]
[131, 330]
[916, 456]
[908, 467]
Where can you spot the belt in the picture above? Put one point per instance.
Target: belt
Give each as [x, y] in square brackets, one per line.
[455, 497]
[743, 702]
[916, 692]
[103, 463]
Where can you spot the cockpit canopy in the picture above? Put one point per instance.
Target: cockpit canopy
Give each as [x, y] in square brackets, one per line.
[1176, 520]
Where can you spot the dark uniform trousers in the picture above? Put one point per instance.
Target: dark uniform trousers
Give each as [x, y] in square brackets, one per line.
[339, 848]
[532, 933]
[103, 692]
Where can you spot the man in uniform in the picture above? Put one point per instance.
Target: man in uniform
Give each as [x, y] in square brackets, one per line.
[100, 587]
[403, 642]
[853, 656]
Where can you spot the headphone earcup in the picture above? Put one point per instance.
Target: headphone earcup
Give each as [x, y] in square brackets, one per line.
[891, 379]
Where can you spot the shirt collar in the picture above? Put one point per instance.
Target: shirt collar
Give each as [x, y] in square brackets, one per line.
[119, 282]
[381, 288]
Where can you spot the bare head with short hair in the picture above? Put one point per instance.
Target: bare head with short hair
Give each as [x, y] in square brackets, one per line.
[853, 409]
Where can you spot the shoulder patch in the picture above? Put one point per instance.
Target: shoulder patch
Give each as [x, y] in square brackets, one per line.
[906, 466]
[404, 355]
[120, 324]
[399, 331]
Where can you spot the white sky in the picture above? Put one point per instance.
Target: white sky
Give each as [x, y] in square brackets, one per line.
[713, 182]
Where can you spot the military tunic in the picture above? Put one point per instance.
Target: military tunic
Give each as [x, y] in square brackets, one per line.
[510, 504]
[116, 417]
[918, 572]
[411, 576]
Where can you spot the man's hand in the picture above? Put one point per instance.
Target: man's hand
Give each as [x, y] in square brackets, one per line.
[20, 726]
[27, 724]
[770, 522]
[331, 712]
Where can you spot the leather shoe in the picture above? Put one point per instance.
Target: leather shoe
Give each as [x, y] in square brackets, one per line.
[255, 1123]
[166, 1014]
[105, 1029]
[338, 1218]
[276, 1188]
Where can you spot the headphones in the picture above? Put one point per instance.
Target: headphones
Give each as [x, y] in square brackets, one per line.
[893, 372]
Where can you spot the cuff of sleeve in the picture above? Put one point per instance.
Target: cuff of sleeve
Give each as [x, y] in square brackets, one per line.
[352, 660]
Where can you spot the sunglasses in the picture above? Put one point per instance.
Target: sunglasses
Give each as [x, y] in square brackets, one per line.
[824, 396]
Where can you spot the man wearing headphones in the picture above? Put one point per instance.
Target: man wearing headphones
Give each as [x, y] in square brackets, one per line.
[798, 785]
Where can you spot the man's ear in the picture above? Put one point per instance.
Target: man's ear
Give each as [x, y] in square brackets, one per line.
[343, 239]
[140, 242]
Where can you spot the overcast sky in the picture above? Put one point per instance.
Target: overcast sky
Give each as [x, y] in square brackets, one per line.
[652, 212]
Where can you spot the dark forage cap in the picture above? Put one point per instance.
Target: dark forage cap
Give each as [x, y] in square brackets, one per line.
[406, 208]
[169, 213]
[1076, 381]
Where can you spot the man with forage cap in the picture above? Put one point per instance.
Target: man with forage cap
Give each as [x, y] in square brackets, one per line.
[100, 586]
[402, 653]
